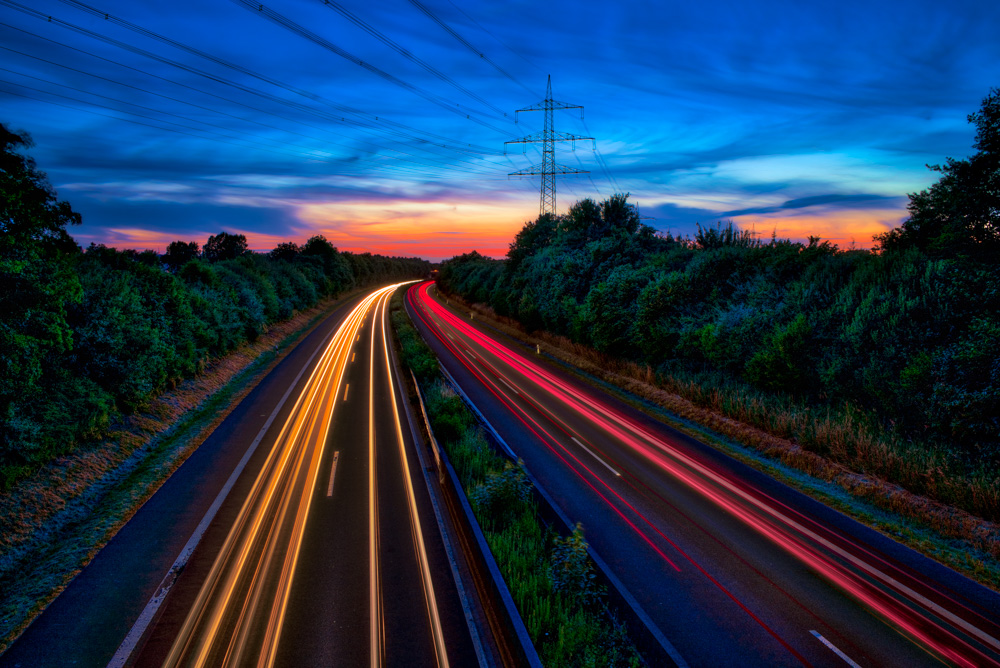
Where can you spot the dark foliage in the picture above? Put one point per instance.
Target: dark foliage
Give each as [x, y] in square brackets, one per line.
[288, 250]
[224, 246]
[88, 336]
[959, 216]
[908, 332]
[179, 253]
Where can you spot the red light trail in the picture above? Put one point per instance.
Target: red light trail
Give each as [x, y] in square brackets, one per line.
[928, 617]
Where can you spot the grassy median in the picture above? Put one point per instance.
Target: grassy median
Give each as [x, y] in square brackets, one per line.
[550, 577]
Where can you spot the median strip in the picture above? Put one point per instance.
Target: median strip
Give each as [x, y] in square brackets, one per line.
[565, 620]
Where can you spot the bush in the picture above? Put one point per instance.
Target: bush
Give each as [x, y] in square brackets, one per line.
[502, 496]
[87, 336]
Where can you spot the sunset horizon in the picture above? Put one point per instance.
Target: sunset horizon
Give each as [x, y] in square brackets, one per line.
[395, 138]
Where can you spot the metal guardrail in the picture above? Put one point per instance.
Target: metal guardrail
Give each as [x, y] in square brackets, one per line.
[654, 647]
[505, 621]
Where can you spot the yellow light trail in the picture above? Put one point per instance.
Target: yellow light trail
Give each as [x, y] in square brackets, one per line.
[238, 614]
[431, 600]
[374, 583]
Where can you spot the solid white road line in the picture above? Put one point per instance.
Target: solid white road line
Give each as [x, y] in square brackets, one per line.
[835, 649]
[128, 645]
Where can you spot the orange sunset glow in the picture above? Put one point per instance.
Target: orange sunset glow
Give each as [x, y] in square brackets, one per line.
[434, 230]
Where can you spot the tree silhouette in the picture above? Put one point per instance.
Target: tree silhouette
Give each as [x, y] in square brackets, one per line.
[224, 246]
[37, 284]
[959, 216]
[287, 250]
[179, 253]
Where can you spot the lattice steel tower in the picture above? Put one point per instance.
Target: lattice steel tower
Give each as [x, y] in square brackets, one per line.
[547, 138]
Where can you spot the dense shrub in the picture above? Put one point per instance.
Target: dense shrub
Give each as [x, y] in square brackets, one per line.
[86, 336]
[908, 333]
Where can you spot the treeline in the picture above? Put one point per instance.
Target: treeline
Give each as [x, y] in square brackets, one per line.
[86, 336]
[909, 333]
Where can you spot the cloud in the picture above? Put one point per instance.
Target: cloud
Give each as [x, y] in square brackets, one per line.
[771, 114]
[829, 202]
[405, 227]
[143, 224]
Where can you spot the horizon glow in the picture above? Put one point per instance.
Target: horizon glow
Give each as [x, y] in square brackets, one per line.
[794, 119]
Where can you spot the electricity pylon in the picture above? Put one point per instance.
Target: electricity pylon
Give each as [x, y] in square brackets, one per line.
[548, 137]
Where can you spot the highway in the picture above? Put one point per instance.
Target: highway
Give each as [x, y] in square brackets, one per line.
[325, 551]
[327, 560]
[732, 567]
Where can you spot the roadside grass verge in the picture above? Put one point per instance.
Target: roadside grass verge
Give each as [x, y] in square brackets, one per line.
[54, 522]
[909, 491]
[550, 577]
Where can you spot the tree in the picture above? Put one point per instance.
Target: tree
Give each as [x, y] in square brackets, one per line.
[782, 364]
[959, 216]
[582, 223]
[179, 253]
[618, 214]
[338, 268]
[224, 246]
[319, 246]
[37, 285]
[287, 250]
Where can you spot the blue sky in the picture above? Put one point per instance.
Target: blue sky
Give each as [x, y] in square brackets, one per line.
[792, 118]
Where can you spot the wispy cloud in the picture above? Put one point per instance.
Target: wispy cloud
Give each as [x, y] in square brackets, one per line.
[802, 118]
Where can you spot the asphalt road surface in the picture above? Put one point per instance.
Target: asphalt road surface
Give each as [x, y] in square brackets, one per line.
[324, 552]
[732, 567]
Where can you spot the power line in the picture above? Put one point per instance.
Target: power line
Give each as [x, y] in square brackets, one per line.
[131, 113]
[197, 106]
[300, 107]
[424, 144]
[140, 89]
[546, 138]
[343, 109]
[377, 34]
[130, 120]
[602, 162]
[501, 42]
[433, 17]
[274, 147]
[598, 155]
[295, 28]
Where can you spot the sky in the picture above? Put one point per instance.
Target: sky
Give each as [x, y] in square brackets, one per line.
[382, 125]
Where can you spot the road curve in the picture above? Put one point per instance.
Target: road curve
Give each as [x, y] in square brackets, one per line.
[733, 567]
[315, 608]
[328, 559]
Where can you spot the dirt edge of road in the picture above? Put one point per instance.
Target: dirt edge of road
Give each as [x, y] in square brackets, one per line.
[951, 536]
[53, 523]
